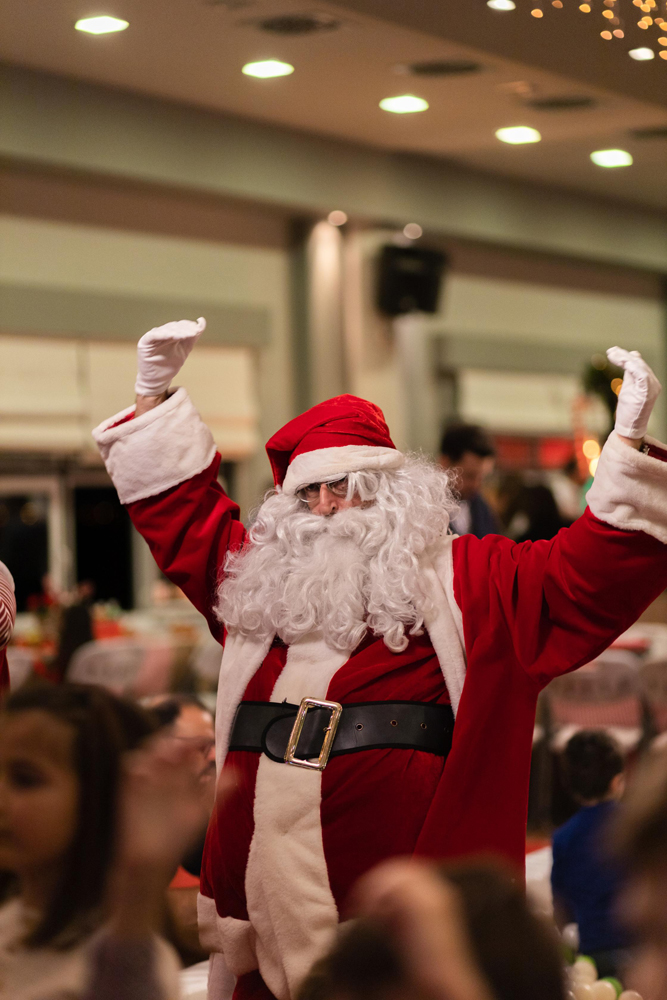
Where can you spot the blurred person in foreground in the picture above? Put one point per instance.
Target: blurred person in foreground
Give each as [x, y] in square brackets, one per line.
[640, 842]
[88, 839]
[187, 720]
[349, 607]
[440, 933]
[468, 455]
[7, 619]
[585, 881]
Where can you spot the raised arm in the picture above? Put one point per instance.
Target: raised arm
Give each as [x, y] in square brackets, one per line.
[559, 603]
[163, 463]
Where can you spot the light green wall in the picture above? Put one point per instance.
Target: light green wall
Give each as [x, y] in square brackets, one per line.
[50, 120]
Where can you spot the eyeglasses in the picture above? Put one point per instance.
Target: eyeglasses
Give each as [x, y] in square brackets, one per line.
[311, 493]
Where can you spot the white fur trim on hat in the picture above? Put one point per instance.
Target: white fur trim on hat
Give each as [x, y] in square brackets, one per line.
[630, 489]
[324, 463]
[163, 447]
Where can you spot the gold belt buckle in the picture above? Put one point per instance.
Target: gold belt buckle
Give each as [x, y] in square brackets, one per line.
[297, 728]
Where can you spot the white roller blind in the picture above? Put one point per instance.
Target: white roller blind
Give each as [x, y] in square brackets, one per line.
[52, 393]
[517, 401]
[42, 398]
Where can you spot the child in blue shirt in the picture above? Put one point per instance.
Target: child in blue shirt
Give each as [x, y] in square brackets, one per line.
[584, 880]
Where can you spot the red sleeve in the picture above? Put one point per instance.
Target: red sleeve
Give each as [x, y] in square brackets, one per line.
[189, 529]
[557, 603]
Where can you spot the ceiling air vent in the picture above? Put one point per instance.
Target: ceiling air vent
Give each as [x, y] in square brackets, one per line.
[567, 102]
[441, 67]
[659, 132]
[298, 24]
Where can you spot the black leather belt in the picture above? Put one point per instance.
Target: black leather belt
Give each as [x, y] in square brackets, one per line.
[295, 734]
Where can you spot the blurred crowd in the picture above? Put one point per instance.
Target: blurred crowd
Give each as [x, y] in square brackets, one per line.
[524, 505]
[103, 802]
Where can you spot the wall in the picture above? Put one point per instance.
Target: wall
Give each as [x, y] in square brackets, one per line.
[75, 125]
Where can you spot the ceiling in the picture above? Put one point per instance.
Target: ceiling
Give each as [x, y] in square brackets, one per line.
[192, 51]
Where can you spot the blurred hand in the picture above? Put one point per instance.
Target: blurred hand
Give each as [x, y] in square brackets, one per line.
[163, 808]
[638, 393]
[164, 803]
[162, 352]
[424, 915]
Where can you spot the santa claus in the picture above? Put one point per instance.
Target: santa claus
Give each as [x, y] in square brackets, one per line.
[379, 676]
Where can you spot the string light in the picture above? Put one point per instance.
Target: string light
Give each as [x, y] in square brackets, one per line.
[591, 448]
[612, 12]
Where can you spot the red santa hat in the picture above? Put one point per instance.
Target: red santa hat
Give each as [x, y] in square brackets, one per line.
[344, 434]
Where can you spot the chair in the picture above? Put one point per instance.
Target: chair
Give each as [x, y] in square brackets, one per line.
[653, 683]
[124, 666]
[205, 662]
[603, 694]
[20, 662]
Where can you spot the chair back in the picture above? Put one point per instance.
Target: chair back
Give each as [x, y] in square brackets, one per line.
[604, 692]
[124, 666]
[20, 662]
[653, 682]
[205, 662]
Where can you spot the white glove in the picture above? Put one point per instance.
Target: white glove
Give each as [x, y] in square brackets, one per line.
[638, 393]
[162, 352]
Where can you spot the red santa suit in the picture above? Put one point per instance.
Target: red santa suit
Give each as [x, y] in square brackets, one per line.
[506, 619]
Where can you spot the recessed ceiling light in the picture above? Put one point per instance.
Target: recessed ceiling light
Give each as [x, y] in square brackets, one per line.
[404, 104]
[101, 25]
[337, 218]
[642, 54]
[413, 231]
[267, 68]
[501, 4]
[611, 158]
[518, 134]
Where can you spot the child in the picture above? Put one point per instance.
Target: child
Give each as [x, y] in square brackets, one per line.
[61, 777]
[584, 880]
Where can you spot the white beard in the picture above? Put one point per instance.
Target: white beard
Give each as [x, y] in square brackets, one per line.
[344, 574]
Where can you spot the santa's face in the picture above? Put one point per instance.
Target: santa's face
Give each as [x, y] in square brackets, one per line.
[326, 499]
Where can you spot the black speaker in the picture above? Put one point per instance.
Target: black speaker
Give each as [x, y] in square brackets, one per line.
[409, 280]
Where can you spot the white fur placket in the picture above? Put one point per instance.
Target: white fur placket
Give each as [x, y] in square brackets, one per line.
[290, 904]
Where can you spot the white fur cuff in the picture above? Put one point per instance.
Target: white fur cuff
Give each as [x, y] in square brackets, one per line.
[316, 466]
[160, 449]
[630, 489]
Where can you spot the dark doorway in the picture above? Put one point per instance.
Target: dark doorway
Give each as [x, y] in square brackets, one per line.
[103, 544]
[24, 546]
